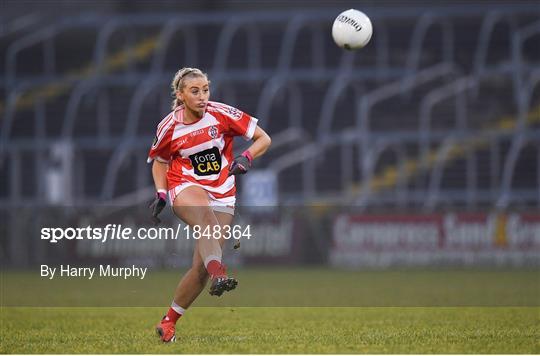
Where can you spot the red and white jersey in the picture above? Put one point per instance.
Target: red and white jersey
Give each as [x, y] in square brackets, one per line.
[201, 152]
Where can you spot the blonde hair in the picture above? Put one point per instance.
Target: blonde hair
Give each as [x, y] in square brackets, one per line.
[178, 82]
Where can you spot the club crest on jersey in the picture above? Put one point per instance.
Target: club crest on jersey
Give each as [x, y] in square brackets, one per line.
[213, 131]
[206, 162]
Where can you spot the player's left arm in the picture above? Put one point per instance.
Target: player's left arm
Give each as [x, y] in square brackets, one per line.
[261, 142]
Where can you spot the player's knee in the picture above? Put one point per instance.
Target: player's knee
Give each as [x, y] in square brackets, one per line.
[208, 218]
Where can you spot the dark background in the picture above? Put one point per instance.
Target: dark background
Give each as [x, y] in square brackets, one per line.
[437, 118]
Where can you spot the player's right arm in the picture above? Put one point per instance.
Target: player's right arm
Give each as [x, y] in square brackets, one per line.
[160, 154]
[159, 173]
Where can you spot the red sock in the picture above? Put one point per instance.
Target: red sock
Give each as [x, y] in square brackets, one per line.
[172, 315]
[215, 269]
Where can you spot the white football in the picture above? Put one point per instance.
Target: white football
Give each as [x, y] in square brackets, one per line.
[352, 29]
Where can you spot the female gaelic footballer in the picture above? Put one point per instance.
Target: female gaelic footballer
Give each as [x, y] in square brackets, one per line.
[193, 163]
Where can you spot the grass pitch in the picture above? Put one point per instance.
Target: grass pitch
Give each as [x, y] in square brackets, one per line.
[274, 330]
[347, 312]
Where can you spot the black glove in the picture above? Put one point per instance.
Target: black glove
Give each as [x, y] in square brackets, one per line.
[157, 206]
[240, 165]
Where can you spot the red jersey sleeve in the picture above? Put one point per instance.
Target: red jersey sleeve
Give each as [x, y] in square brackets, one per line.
[161, 146]
[238, 122]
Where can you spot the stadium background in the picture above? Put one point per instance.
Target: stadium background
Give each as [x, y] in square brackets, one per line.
[403, 174]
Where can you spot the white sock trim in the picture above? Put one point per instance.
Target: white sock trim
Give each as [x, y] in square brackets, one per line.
[177, 308]
[211, 258]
